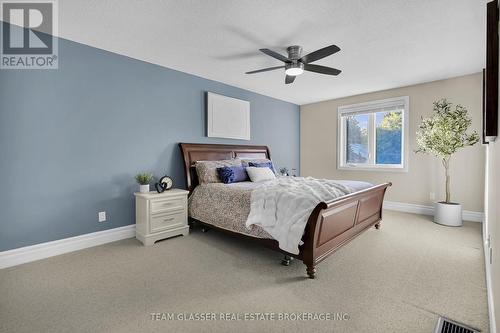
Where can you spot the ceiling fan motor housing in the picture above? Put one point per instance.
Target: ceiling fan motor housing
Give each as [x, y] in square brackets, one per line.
[295, 67]
[294, 52]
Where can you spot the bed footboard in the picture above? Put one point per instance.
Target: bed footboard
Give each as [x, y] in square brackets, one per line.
[334, 223]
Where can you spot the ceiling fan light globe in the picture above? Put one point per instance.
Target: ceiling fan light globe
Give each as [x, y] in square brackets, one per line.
[295, 68]
[294, 71]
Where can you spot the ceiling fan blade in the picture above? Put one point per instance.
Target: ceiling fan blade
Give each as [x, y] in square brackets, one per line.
[275, 55]
[319, 54]
[265, 69]
[289, 79]
[322, 69]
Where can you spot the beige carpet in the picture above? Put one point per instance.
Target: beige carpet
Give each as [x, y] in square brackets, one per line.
[397, 279]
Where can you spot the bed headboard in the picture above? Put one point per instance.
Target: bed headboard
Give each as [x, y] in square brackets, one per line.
[192, 152]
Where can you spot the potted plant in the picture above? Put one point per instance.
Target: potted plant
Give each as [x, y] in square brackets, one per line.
[144, 178]
[284, 171]
[442, 135]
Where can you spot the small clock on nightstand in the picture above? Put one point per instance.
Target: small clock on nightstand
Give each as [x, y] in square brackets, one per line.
[160, 215]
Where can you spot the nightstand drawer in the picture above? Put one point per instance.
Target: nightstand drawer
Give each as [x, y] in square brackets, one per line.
[170, 204]
[168, 220]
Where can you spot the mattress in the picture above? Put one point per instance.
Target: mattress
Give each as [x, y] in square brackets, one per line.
[227, 205]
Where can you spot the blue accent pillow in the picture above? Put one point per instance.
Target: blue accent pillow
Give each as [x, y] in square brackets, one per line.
[232, 174]
[263, 165]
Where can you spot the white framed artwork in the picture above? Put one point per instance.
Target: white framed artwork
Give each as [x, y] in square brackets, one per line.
[227, 117]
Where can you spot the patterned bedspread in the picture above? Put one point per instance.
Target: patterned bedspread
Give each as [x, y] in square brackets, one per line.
[226, 206]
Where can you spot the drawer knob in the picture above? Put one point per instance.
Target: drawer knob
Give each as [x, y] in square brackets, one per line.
[169, 219]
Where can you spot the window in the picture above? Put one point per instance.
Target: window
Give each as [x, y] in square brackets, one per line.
[373, 135]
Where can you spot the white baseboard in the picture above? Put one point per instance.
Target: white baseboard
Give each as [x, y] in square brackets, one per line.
[467, 215]
[44, 250]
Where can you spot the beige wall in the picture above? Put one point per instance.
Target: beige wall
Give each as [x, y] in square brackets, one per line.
[318, 148]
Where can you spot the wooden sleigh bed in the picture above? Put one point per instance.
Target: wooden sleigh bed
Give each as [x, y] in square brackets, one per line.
[330, 225]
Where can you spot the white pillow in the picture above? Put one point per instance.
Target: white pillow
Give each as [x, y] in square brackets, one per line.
[260, 174]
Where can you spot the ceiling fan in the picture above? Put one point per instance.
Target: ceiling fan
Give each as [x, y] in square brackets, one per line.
[296, 64]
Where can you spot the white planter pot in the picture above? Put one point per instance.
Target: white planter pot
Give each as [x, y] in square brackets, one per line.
[449, 214]
[144, 188]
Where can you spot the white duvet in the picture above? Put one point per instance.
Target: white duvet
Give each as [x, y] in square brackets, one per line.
[282, 206]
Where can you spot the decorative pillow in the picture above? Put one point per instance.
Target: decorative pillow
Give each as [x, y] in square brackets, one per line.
[207, 170]
[246, 161]
[233, 174]
[253, 162]
[263, 165]
[260, 174]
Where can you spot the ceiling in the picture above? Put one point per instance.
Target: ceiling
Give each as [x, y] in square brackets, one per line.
[384, 43]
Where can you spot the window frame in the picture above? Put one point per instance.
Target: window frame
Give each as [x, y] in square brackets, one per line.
[370, 108]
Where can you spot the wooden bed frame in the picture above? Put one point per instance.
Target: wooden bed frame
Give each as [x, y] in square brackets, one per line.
[331, 224]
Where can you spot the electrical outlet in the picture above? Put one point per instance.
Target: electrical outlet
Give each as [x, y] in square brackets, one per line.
[432, 196]
[102, 216]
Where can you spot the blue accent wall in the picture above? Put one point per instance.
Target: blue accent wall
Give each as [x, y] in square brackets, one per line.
[72, 139]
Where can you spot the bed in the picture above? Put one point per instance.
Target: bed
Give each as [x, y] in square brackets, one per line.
[330, 225]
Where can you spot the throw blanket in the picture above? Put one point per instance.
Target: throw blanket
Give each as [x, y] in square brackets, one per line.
[282, 207]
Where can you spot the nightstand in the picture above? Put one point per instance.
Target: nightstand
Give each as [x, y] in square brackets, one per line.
[160, 215]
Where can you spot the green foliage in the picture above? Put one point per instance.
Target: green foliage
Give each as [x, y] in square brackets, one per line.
[392, 120]
[445, 132]
[144, 178]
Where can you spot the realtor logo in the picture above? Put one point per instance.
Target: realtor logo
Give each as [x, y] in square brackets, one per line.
[28, 30]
